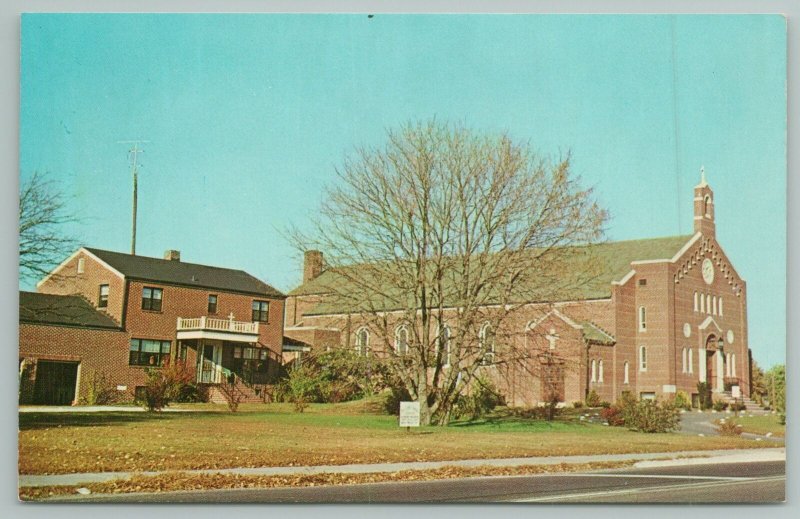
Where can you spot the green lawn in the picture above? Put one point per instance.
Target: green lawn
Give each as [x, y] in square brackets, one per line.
[762, 424]
[274, 435]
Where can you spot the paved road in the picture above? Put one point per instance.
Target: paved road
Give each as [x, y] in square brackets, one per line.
[752, 482]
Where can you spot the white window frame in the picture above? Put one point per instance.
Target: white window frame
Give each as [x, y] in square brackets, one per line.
[626, 373]
[488, 355]
[683, 360]
[600, 371]
[642, 358]
[696, 304]
[702, 304]
[691, 361]
[594, 370]
[720, 306]
[714, 305]
[708, 303]
[642, 319]
[362, 347]
[397, 331]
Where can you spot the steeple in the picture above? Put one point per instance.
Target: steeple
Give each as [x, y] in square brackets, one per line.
[704, 206]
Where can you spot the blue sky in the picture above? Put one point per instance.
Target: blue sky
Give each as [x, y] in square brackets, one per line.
[248, 115]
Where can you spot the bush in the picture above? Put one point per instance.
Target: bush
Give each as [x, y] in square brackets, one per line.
[232, 395]
[737, 406]
[482, 400]
[605, 404]
[704, 395]
[592, 399]
[651, 416]
[303, 386]
[100, 390]
[577, 404]
[165, 385]
[613, 415]
[682, 400]
[729, 428]
[720, 405]
[397, 393]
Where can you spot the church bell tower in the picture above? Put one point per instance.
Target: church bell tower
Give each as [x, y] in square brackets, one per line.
[704, 207]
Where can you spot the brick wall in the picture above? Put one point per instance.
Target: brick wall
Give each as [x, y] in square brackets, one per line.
[97, 350]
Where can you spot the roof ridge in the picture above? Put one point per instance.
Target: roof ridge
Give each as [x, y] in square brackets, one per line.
[92, 249]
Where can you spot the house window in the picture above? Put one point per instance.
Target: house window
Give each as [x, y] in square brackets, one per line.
[151, 298]
[642, 319]
[444, 345]
[362, 342]
[600, 371]
[487, 344]
[642, 282]
[691, 361]
[81, 265]
[146, 352]
[696, 307]
[401, 340]
[212, 304]
[260, 311]
[102, 299]
[642, 358]
[594, 370]
[626, 373]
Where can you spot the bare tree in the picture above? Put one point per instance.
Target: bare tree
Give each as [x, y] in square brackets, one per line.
[438, 239]
[42, 218]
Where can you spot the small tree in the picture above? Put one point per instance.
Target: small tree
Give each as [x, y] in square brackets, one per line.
[165, 385]
[303, 384]
[100, 390]
[776, 388]
[231, 393]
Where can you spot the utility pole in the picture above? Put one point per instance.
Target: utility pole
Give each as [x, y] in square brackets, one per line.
[133, 155]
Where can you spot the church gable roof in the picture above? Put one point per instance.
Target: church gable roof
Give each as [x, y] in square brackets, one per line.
[613, 261]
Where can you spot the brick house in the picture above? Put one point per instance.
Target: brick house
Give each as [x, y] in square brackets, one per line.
[666, 314]
[225, 323]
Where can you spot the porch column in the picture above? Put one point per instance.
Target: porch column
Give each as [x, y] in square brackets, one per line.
[702, 364]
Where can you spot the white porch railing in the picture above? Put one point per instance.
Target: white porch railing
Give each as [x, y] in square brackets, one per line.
[220, 325]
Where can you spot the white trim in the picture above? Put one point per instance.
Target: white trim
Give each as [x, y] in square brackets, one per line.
[216, 335]
[71, 257]
[647, 262]
[533, 324]
[709, 320]
[625, 279]
[302, 328]
[686, 247]
[292, 348]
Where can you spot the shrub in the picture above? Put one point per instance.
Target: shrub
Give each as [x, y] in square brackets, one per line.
[737, 406]
[651, 416]
[720, 405]
[704, 395]
[397, 393]
[682, 400]
[605, 404]
[577, 404]
[482, 400]
[231, 393]
[782, 418]
[613, 415]
[729, 428]
[303, 386]
[100, 390]
[164, 385]
[592, 399]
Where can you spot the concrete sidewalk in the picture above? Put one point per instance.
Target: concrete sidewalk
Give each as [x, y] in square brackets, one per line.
[652, 459]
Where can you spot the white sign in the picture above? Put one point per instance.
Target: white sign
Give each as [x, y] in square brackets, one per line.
[409, 414]
[736, 392]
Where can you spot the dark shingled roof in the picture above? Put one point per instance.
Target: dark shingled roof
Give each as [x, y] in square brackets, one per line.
[64, 310]
[185, 274]
[613, 259]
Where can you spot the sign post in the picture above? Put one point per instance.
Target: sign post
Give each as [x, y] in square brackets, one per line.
[409, 415]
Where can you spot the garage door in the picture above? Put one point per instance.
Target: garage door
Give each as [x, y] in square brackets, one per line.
[55, 382]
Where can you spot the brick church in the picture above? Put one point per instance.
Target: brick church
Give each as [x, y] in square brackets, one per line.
[670, 313]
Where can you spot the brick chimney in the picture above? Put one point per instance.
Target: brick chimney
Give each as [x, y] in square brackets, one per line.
[172, 255]
[312, 265]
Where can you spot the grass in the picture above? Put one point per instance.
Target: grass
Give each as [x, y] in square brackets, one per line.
[761, 424]
[326, 434]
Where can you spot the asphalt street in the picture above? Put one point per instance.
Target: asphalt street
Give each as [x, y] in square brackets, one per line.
[753, 482]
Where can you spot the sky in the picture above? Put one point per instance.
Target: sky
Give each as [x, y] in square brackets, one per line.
[247, 117]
